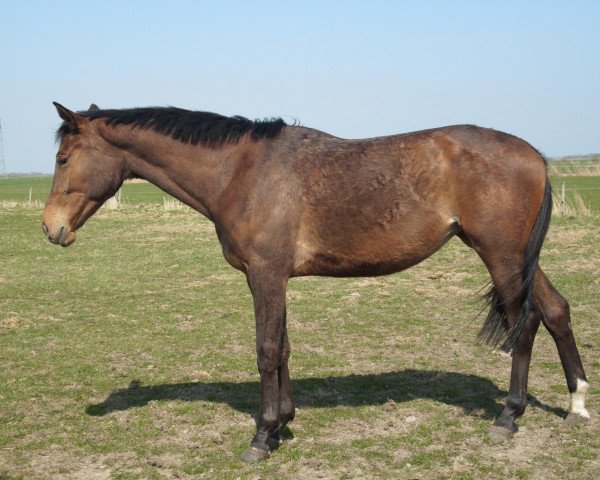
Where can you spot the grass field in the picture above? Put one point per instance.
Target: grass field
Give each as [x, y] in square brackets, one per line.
[135, 193]
[17, 189]
[130, 355]
[587, 166]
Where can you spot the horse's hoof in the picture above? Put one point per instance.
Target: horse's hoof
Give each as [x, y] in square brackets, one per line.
[576, 419]
[253, 455]
[499, 434]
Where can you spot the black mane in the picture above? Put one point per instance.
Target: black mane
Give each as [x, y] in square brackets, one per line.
[187, 126]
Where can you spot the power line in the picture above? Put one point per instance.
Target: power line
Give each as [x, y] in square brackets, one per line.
[2, 164]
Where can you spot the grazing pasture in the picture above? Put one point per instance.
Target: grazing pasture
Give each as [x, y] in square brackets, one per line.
[131, 355]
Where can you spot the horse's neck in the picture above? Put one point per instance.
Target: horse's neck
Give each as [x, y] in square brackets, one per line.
[193, 174]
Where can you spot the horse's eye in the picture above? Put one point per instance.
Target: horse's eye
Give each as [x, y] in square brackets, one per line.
[62, 160]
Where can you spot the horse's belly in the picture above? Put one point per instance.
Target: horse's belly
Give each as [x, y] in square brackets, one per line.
[330, 264]
[372, 253]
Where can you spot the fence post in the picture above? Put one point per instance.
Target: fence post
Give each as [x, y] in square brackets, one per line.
[30, 191]
[562, 196]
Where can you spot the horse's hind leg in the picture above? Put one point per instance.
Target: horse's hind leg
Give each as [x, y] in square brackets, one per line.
[505, 425]
[557, 320]
[505, 264]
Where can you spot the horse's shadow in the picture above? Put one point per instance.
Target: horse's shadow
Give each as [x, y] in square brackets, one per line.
[477, 396]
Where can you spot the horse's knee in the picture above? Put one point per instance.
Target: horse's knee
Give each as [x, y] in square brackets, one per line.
[268, 357]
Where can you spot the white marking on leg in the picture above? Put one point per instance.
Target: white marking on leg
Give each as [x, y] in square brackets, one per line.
[578, 398]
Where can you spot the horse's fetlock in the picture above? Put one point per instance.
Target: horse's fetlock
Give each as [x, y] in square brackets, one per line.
[286, 413]
[516, 406]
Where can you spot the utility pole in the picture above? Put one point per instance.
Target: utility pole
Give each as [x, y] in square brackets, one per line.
[2, 164]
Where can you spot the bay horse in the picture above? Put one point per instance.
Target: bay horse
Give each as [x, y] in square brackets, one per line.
[292, 201]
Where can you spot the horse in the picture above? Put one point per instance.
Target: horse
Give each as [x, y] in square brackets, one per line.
[290, 201]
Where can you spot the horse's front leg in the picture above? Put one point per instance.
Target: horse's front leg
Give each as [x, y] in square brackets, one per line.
[268, 293]
[286, 401]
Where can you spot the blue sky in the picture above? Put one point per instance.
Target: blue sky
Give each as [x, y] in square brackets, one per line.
[354, 68]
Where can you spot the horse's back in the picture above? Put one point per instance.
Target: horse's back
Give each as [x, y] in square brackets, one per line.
[380, 205]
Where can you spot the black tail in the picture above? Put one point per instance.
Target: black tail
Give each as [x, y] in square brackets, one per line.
[495, 330]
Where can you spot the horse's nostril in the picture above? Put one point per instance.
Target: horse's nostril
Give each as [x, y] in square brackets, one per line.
[45, 229]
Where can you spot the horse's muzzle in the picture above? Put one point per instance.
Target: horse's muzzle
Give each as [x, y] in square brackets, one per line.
[62, 235]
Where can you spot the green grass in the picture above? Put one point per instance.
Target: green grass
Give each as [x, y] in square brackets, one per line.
[588, 187]
[17, 189]
[130, 355]
[575, 166]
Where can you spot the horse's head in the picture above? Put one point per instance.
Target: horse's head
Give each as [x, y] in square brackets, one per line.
[88, 172]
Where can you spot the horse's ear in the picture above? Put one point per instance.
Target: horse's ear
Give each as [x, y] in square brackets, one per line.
[93, 107]
[67, 115]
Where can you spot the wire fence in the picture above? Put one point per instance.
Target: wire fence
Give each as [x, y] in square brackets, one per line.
[569, 168]
[580, 189]
[569, 198]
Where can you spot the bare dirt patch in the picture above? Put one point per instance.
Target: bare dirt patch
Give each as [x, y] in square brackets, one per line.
[392, 422]
[12, 320]
[55, 463]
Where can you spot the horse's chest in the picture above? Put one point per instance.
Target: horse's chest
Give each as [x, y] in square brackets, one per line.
[232, 252]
